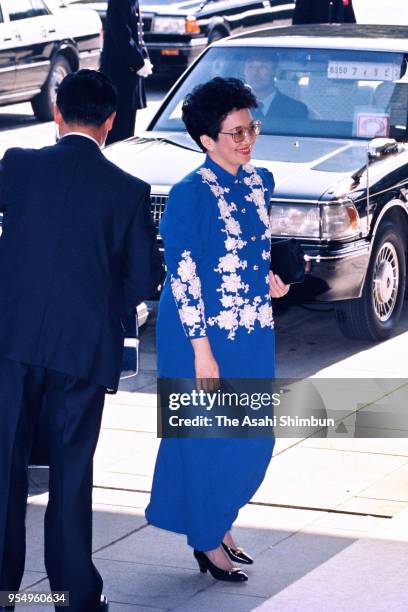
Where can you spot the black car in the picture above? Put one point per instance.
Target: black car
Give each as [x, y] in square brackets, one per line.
[39, 45]
[176, 32]
[340, 165]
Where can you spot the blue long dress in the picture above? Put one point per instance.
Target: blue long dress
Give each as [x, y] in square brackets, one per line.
[217, 248]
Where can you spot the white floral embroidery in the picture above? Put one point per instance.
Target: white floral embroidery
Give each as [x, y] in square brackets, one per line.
[254, 178]
[248, 316]
[208, 175]
[229, 263]
[187, 282]
[232, 283]
[195, 287]
[190, 316]
[217, 190]
[232, 226]
[258, 198]
[178, 288]
[227, 319]
[186, 268]
[265, 315]
[231, 244]
[224, 208]
[238, 310]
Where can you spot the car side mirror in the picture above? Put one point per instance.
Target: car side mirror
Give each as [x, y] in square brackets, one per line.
[379, 147]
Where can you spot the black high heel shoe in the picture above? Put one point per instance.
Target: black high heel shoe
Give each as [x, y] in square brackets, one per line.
[234, 575]
[237, 555]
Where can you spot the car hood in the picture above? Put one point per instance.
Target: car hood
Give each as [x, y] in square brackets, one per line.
[303, 168]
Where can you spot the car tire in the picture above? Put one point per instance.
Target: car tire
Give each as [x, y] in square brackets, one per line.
[43, 103]
[375, 315]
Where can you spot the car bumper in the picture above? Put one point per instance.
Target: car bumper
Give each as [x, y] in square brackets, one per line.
[172, 58]
[90, 59]
[336, 274]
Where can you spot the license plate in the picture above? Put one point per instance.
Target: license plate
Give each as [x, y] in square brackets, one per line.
[363, 71]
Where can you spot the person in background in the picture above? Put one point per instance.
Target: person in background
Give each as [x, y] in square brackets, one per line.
[126, 62]
[273, 106]
[323, 11]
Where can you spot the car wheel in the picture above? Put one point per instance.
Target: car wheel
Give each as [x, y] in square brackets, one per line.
[375, 315]
[43, 103]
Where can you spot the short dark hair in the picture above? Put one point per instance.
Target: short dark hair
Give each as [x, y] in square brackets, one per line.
[86, 97]
[206, 107]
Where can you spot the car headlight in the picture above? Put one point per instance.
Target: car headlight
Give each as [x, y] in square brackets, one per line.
[288, 220]
[169, 25]
[340, 220]
[333, 221]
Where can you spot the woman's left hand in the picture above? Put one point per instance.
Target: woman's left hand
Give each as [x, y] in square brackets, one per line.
[277, 287]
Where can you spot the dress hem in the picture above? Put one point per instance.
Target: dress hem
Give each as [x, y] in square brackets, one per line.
[197, 544]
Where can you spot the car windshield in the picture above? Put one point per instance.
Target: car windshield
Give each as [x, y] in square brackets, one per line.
[309, 92]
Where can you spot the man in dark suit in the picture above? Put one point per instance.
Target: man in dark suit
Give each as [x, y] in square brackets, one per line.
[323, 11]
[77, 253]
[274, 107]
[126, 62]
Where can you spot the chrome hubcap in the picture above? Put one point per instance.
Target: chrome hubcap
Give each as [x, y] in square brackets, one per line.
[57, 76]
[385, 281]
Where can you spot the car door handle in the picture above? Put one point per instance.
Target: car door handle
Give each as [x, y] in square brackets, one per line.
[7, 39]
[53, 31]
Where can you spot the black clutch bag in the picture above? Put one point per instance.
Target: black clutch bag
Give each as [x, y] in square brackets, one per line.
[288, 261]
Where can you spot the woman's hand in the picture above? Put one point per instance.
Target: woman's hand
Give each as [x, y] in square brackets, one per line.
[206, 368]
[277, 287]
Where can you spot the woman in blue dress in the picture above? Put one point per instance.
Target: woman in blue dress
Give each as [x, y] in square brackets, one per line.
[215, 320]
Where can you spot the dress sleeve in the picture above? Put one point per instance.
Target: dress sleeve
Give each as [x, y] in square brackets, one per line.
[183, 251]
[269, 184]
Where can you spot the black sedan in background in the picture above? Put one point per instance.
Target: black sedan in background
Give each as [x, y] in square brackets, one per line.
[176, 31]
[337, 146]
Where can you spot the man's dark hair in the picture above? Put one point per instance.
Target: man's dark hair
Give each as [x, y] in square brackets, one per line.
[206, 107]
[86, 97]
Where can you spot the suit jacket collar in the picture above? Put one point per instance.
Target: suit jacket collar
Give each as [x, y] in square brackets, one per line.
[81, 142]
[278, 98]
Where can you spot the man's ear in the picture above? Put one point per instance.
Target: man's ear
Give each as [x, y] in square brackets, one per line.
[109, 122]
[58, 118]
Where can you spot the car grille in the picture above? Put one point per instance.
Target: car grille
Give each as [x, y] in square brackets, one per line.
[147, 24]
[158, 204]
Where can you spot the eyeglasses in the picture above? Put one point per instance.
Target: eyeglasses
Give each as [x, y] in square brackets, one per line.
[239, 134]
